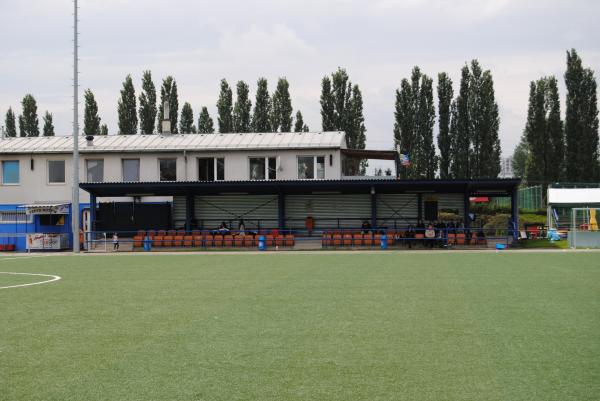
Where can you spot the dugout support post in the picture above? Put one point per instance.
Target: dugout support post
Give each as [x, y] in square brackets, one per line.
[189, 211]
[373, 208]
[466, 210]
[514, 213]
[281, 211]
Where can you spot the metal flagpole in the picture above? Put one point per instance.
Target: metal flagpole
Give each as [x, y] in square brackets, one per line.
[75, 201]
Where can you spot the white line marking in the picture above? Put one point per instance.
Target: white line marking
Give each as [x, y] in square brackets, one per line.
[23, 257]
[54, 278]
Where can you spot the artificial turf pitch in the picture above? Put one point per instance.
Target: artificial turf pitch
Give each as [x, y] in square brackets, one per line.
[377, 326]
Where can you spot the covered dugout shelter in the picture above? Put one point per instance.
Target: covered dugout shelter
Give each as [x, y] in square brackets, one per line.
[576, 210]
[329, 204]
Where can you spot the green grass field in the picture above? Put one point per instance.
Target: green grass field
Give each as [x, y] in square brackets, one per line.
[352, 326]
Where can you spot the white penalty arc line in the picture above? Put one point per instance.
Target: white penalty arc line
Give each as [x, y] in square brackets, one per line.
[54, 278]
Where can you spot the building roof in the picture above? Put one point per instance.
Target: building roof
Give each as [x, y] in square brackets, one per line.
[574, 196]
[170, 143]
[481, 187]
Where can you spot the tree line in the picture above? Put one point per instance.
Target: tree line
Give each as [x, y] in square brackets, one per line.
[271, 113]
[467, 141]
[551, 149]
[468, 145]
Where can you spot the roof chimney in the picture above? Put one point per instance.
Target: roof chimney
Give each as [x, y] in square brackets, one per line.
[90, 140]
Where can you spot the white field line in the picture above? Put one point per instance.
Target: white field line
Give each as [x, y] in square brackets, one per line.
[54, 278]
[23, 257]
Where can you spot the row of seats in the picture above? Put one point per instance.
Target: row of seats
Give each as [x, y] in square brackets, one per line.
[357, 239]
[209, 241]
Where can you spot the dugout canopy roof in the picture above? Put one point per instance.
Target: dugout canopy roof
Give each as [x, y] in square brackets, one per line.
[574, 196]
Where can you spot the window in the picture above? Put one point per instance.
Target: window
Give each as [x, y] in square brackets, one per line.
[95, 170]
[220, 168]
[131, 170]
[207, 167]
[14, 217]
[10, 172]
[52, 219]
[262, 168]
[308, 165]
[167, 169]
[56, 171]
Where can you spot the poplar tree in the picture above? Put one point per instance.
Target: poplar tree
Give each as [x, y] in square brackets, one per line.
[489, 145]
[48, 125]
[91, 121]
[262, 108]
[225, 108]
[341, 90]
[445, 95]
[544, 132]
[205, 122]
[242, 109]
[28, 120]
[186, 123]
[282, 107]
[413, 128]
[355, 127]
[299, 125]
[555, 130]
[327, 107]
[168, 92]
[405, 137]
[10, 123]
[460, 131]
[342, 110]
[103, 129]
[581, 122]
[148, 108]
[127, 110]
[519, 159]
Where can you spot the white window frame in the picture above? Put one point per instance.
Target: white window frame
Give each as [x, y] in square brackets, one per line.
[13, 213]
[2, 173]
[86, 168]
[266, 159]
[315, 170]
[215, 167]
[139, 168]
[48, 171]
[158, 167]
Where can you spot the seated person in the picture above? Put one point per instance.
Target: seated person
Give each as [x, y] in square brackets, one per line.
[223, 229]
[430, 236]
[480, 235]
[365, 228]
[410, 235]
[241, 228]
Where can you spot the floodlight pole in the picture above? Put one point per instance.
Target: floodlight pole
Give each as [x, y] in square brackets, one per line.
[75, 200]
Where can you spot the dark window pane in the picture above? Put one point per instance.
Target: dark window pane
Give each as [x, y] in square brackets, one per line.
[56, 171]
[168, 169]
[306, 168]
[95, 170]
[272, 168]
[257, 168]
[131, 170]
[220, 169]
[206, 169]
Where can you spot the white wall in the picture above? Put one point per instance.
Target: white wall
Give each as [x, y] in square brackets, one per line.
[34, 184]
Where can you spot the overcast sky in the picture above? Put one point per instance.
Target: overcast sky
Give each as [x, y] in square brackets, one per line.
[377, 41]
